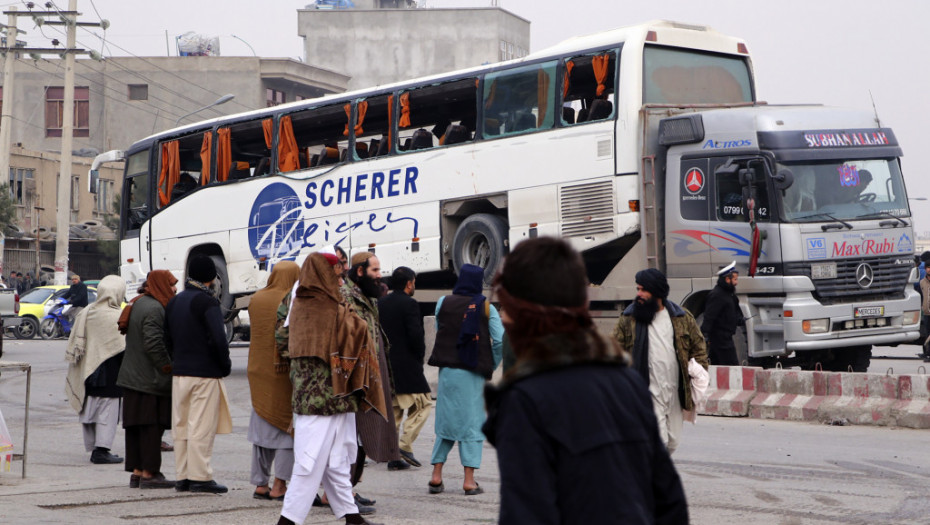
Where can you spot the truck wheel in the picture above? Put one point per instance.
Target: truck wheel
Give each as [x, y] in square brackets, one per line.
[482, 240]
[48, 329]
[26, 329]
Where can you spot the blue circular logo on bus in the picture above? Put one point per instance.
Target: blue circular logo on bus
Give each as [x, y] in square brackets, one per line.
[276, 230]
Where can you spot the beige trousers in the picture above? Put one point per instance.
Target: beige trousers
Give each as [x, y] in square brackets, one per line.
[418, 408]
[199, 411]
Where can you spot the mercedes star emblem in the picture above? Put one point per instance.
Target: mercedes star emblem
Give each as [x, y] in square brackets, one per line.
[864, 275]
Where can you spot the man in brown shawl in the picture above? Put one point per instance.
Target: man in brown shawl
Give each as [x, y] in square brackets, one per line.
[333, 367]
[378, 435]
[270, 386]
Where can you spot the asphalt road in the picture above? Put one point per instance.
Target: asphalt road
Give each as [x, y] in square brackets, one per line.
[735, 471]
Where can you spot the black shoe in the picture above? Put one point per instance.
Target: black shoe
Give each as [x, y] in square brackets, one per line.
[102, 456]
[398, 464]
[182, 485]
[134, 481]
[362, 500]
[208, 486]
[365, 510]
[408, 457]
[157, 481]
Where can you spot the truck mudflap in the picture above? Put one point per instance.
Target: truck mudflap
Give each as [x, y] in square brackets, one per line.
[882, 339]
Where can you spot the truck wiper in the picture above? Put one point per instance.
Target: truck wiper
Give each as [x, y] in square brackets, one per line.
[826, 227]
[884, 213]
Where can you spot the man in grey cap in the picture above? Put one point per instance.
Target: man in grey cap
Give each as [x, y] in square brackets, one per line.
[662, 337]
[722, 315]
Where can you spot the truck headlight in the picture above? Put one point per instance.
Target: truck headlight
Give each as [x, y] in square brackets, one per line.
[815, 326]
[912, 317]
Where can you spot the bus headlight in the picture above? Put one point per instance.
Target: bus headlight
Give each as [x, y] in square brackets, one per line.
[815, 326]
[912, 317]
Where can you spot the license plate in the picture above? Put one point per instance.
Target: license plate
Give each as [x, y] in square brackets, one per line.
[869, 311]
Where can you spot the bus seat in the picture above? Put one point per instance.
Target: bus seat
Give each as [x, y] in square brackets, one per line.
[582, 115]
[343, 155]
[524, 121]
[329, 155]
[455, 134]
[422, 139]
[262, 167]
[239, 170]
[406, 145]
[600, 109]
[373, 148]
[568, 115]
[384, 147]
[315, 160]
[361, 149]
[440, 128]
[492, 126]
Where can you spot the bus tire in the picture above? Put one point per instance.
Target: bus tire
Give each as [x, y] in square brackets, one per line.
[482, 240]
[221, 286]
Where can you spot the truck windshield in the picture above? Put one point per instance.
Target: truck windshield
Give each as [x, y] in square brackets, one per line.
[843, 190]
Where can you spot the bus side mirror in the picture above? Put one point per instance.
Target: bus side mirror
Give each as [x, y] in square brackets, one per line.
[783, 179]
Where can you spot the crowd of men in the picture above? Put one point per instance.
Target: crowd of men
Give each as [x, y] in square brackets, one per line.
[21, 283]
[335, 369]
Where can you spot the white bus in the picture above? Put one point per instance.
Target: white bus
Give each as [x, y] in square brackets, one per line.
[430, 173]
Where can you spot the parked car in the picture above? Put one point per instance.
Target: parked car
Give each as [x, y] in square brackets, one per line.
[32, 307]
[9, 308]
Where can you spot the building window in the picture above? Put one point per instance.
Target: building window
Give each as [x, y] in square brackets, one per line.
[75, 192]
[104, 196]
[55, 109]
[18, 178]
[274, 97]
[138, 91]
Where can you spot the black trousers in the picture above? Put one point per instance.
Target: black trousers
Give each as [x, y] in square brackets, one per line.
[143, 447]
[722, 353]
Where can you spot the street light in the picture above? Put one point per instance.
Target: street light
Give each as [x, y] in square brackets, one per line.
[246, 43]
[222, 100]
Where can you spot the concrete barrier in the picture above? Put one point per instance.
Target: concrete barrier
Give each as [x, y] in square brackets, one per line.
[863, 399]
[912, 408]
[788, 394]
[730, 390]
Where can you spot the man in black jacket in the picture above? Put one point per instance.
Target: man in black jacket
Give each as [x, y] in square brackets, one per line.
[721, 317]
[76, 296]
[403, 325]
[200, 410]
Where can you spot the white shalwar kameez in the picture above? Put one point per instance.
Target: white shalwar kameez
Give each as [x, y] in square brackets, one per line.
[664, 378]
[324, 449]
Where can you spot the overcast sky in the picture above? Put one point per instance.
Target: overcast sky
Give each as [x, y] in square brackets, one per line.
[833, 52]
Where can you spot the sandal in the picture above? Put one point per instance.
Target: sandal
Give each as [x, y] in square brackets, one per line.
[475, 491]
[436, 489]
[318, 502]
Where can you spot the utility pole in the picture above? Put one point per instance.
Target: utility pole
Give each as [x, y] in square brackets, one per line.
[6, 120]
[69, 20]
[67, 141]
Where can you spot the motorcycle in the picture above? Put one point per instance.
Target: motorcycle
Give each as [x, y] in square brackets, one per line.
[56, 322]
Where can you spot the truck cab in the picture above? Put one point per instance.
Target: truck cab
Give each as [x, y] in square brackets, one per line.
[811, 204]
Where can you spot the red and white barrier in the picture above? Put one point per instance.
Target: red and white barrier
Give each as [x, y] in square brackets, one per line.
[912, 409]
[788, 394]
[730, 391]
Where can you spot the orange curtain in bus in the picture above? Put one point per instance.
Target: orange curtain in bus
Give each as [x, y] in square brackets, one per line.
[170, 170]
[542, 96]
[205, 158]
[404, 111]
[223, 154]
[288, 159]
[569, 65]
[390, 117]
[348, 108]
[268, 128]
[362, 108]
[600, 64]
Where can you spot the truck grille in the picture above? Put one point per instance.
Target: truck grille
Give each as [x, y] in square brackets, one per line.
[587, 209]
[889, 280]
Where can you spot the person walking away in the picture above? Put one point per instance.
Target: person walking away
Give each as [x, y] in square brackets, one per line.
[332, 368]
[200, 407]
[663, 337]
[76, 297]
[145, 378]
[925, 314]
[269, 384]
[378, 435]
[573, 424]
[722, 315]
[403, 326]
[95, 353]
[467, 351]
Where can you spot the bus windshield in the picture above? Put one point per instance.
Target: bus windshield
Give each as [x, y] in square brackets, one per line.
[846, 190]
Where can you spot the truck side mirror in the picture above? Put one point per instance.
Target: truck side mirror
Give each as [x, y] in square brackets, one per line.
[783, 179]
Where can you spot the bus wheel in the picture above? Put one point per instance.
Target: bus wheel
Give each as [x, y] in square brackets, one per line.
[482, 240]
[221, 286]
